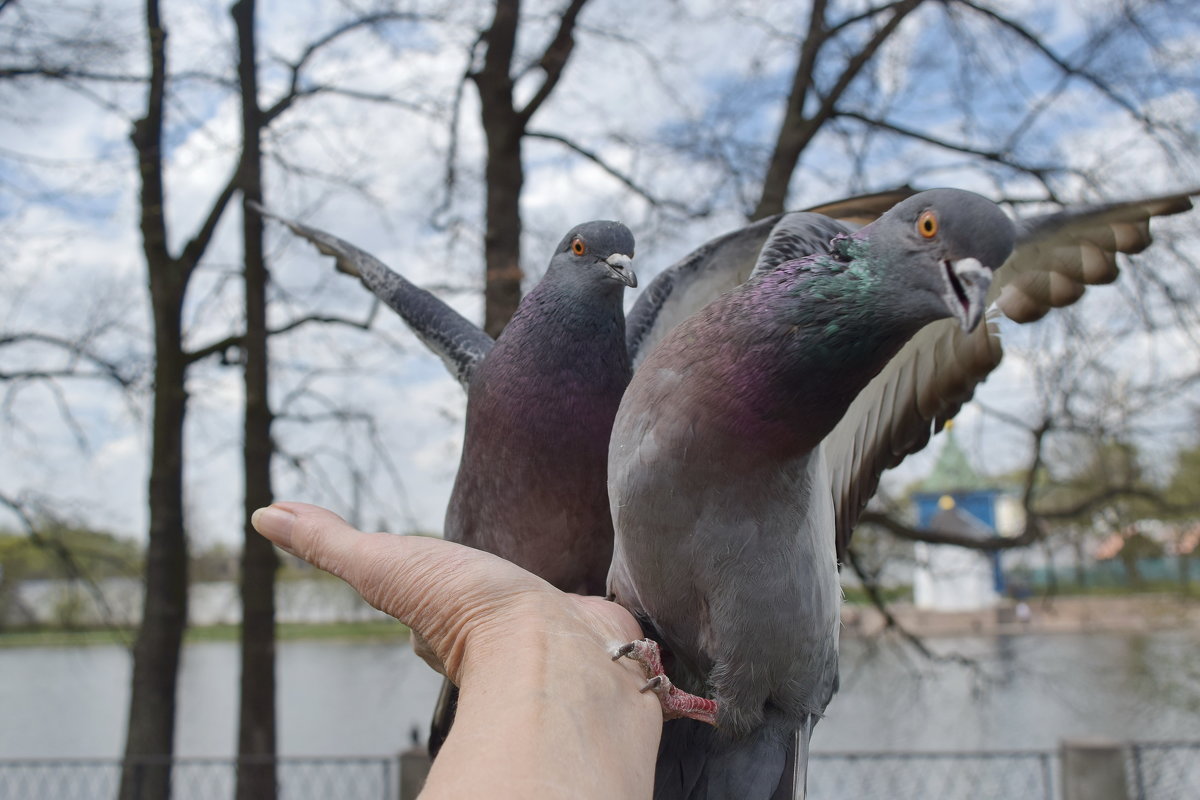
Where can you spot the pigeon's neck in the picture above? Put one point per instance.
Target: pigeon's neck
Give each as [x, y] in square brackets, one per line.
[817, 332]
[557, 342]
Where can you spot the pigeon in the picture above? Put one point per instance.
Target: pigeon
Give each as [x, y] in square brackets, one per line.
[540, 401]
[531, 483]
[751, 437]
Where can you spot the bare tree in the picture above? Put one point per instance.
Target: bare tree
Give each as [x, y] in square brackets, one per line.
[505, 123]
[257, 718]
[151, 731]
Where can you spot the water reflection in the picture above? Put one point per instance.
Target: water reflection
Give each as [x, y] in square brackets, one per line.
[1016, 692]
[343, 698]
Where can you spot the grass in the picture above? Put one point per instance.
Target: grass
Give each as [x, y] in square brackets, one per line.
[857, 596]
[1107, 589]
[381, 631]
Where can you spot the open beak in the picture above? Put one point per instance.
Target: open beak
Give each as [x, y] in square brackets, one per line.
[966, 285]
[620, 266]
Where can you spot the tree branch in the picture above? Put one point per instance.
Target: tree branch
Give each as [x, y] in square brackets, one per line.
[294, 91]
[193, 251]
[1034, 41]
[1042, 173]
[797, 132]
[991, 544]
[871, 587]
[614, 172]
[107, 369]
[60, 551]
[68, 73]
[554, 60]
[238, 339]
[901, 10]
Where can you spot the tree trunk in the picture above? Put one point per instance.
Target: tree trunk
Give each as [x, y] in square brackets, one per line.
[797, 130]
[256, 721]
[1132, 574]
[1080, 565]
[150, 735]
[504, 128]
[1051, 569]
[151, 732]
[502, 242]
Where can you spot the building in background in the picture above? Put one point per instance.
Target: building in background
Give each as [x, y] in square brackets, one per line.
[955, 498]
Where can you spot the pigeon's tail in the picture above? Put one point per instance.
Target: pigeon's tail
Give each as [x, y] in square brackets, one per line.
[696, 762]
[443, 716]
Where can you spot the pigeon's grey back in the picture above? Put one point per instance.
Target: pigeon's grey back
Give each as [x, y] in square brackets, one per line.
[719, 265]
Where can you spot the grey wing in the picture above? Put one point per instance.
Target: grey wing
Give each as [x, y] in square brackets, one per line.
[692, 283]
[1059, 254]
[716, 267]
[458, 342]
[936, 372]
[797, 235]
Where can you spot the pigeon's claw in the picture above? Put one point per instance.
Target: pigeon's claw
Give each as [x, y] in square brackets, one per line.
[676, 703]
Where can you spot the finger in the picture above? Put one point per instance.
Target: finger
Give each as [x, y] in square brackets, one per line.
[368, 562]
[323, 532]
[428, 584]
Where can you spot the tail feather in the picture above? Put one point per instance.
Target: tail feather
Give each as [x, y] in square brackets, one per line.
[443, 716]
[697, 762]
[794, 785]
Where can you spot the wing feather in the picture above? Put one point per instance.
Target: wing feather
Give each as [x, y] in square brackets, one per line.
[1057, 256]
[457, 341]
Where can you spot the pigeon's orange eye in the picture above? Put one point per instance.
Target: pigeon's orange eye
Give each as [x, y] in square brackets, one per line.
[578, 247]
[927, 224]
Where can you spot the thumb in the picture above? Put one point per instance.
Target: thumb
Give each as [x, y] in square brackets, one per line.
[437, 588]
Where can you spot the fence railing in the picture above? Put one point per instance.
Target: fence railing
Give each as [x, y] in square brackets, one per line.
[979, 776]
[1153, 771]
[1164, 770]
[354, 778]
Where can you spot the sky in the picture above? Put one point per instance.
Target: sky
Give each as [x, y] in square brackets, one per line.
[644, 80]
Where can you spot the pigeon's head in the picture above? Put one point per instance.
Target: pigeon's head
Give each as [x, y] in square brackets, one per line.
[595, 255]
[948, 243]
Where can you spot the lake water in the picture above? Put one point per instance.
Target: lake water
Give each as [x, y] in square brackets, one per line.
[339, 698]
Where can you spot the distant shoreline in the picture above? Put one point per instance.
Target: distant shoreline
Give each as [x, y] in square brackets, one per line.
[1065, 614]
[381, 631]
[1047, 615]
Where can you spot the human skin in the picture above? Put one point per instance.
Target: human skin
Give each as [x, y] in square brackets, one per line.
[543, 711]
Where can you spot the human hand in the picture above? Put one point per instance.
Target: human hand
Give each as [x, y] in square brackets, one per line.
[528, 659]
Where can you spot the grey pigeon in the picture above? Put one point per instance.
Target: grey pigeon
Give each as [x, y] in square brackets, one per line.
[531, 483]
[751, 437]
[540, 401]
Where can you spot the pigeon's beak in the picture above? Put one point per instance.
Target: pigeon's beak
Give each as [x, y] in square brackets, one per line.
[966, 286]
[621, 268]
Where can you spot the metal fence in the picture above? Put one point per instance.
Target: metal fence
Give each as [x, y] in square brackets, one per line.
[1030, 775]
[1154, 770]
[1164, 770]
[367, 778]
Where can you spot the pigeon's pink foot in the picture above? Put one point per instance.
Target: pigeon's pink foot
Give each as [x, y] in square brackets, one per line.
[676, 703]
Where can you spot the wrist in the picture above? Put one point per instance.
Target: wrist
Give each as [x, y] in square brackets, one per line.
[549, 675]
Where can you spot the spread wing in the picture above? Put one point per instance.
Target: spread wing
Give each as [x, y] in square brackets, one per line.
[721, 264]
[1056, 257]
[458, 342]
